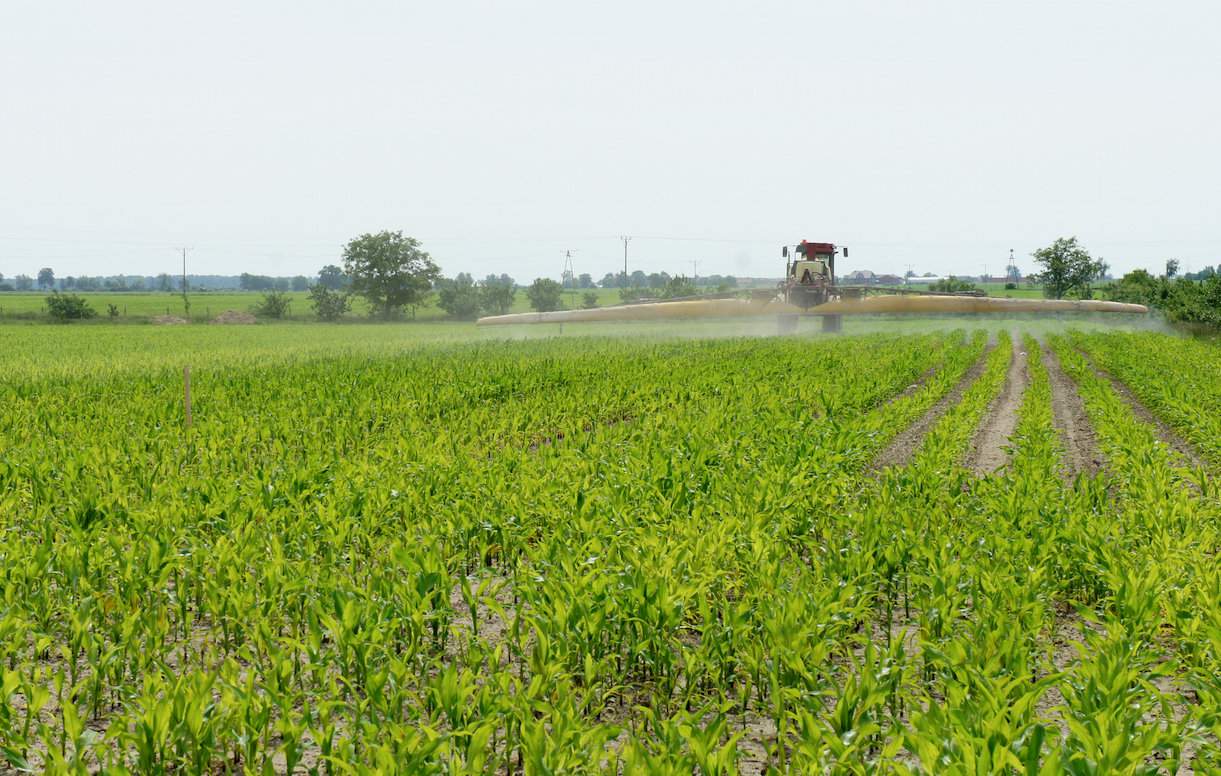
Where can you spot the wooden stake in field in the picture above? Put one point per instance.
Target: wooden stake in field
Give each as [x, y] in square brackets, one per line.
[186, 393]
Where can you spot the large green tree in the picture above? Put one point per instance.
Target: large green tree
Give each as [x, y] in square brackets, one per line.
[390, 271]
[1067, 268]
[545, 295]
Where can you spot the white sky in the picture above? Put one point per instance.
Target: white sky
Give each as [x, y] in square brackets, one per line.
[939, 134]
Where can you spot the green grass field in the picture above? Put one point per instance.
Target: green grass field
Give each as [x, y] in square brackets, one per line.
[205, 305]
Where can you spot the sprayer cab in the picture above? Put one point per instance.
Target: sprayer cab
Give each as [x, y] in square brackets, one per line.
[809, 273]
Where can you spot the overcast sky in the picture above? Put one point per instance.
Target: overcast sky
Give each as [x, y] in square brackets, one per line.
[263, 135]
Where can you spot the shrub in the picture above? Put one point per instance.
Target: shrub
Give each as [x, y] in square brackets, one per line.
[329, 304]
[274, 305]
[589, 300]
[69, 307]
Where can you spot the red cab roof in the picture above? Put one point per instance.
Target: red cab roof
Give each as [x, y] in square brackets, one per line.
[812, 248]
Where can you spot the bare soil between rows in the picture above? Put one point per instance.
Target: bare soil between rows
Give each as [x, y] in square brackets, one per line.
[901, 451]
[989, 450]
[1080, 443]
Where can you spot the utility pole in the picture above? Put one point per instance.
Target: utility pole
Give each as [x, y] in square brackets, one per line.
[695, 270]
[626, 240]
[186, 300]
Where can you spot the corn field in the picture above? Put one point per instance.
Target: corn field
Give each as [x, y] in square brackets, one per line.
[609, 555]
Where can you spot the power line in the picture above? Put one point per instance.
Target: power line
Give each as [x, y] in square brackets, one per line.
[338, 243]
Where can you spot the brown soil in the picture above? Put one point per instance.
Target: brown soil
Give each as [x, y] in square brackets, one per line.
[1081, 455]
[235, 316]
[904, 447]
[1163, 432]
[491, 623]
[988, 451]
[168, 320]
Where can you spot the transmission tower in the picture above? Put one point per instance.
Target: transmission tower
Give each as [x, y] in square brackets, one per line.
[567, 278]
[1012, 273]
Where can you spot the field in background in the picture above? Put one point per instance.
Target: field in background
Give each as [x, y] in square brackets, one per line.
[924, 545]
[205, 305]
[996, 289]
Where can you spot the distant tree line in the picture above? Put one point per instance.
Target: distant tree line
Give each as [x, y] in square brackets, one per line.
[656, 280]
[1204, 274]
[248, 282]
[46, 280]
[952, 285]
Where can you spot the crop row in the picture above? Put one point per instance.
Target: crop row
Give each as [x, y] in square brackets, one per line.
[1179, 378]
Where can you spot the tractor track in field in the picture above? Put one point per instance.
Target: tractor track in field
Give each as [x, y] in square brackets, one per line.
[903, 448]
[987, 452]
[1164, 433]
[1077, 436]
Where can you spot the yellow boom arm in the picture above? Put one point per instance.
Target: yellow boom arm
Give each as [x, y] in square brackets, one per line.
[735, 308]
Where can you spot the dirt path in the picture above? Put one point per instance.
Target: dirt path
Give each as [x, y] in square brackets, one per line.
[987, 452]
[1165, 434]
[1081, 455]
[900, 451]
